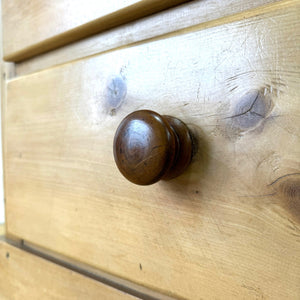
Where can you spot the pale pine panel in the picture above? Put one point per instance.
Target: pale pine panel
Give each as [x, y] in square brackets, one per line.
[229, 227]
[203, 14]
[35, 26]
[26, 276]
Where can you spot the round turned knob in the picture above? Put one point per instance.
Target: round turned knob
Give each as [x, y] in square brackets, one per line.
[149, 147]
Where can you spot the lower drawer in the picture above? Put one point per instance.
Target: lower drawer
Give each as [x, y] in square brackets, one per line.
[228, 227]
[26, 276]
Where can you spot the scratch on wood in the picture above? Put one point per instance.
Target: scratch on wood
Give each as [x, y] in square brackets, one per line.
[257, 291]
[283, 176]
[259, 196]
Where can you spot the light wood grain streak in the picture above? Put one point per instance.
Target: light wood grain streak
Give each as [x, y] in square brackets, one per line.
[201, 13]
[221, 230]
[26, 276]
[7, 72]
[44, 25]
[2, 229]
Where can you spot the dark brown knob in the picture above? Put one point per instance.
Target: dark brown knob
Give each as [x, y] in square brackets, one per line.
[149, 147]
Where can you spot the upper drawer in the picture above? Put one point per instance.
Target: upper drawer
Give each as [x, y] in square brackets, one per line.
[35, 26]
[227, 228]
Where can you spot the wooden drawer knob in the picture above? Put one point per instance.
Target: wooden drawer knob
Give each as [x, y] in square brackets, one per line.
[149, 147]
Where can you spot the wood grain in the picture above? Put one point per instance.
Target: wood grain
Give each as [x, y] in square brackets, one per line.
[229, 227]
[7, 72]
[26, 276]
[2, 230]
[45, 25]
[203, 14]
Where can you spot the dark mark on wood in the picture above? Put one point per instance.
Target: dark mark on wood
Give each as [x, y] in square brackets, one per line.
[287, 188]
[249, 112]
[7, 254]
[234, 88]
[141, 268]
[201, 157]
[256, 290]
[195, 142]
[115, 93]
[251, 109]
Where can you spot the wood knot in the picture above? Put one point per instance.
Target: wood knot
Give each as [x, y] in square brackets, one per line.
[291, 190]
[115, 93]
[287, 187]
[250, 111]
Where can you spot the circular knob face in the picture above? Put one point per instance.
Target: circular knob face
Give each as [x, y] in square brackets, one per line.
[145, 147]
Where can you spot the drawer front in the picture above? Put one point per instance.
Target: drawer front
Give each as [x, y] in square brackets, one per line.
[26, 276]
[206, 13]
[44, 25]
[228, 227]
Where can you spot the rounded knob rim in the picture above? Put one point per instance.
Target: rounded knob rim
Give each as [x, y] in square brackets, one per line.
[144, 147]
